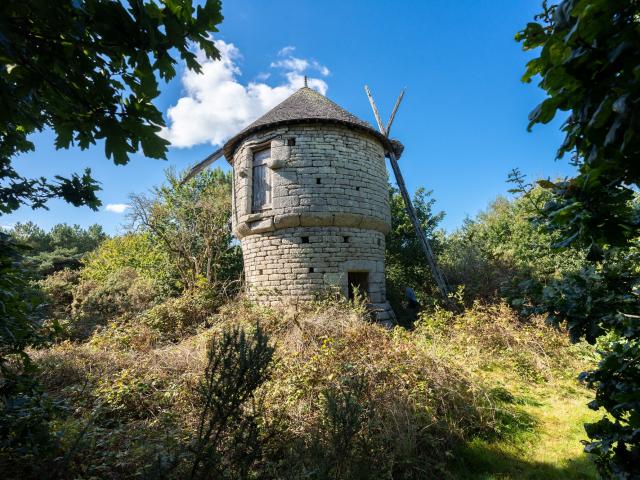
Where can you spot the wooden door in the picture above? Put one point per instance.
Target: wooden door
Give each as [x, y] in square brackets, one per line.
[261, 181]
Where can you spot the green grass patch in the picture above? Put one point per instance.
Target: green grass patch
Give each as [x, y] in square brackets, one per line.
[542, 444]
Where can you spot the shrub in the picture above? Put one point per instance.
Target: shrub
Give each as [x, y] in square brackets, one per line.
[123, 292]
[226, 441]
[58, 289]
[134, 251]
[177, 317]
[338, 377]
[406, 264]
[487, 335]
[344, 398]
[343, 442]
[26, 442]
[467, 264]
[501, 247]
[132, 393]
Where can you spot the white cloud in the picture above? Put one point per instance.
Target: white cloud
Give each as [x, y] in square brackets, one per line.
[300, 65]
[286, 51]
[292, 63]
[117, 207]
[217, 104]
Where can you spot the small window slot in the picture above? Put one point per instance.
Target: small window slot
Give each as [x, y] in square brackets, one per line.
[318, 181]
[305, 239]
[357, 189]
[345, 239]
[291, 142]
[312, 270]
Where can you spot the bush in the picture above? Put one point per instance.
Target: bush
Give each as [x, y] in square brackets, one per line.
[178, 317]
[466, 263]
[26, 441]
[132, 393]
[501, 248]
[341, 379]
[227, 439]
[123, 292]
[487, 335]
[134, 251]
[27, 444]
[58, 289]
[405, 262]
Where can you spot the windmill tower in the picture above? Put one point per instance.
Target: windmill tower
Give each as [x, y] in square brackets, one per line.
[310, 204]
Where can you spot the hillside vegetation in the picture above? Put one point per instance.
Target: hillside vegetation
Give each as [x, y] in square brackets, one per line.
[477, 393]
[148, 362]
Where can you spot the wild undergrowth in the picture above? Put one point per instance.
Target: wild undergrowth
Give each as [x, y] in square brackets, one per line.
[343, 397]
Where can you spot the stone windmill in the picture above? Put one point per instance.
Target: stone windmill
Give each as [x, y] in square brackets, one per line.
[310, 201]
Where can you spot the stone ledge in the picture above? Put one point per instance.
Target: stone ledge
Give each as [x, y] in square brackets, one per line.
[267, 222]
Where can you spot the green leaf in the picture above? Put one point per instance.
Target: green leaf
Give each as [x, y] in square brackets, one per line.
[103, 61]
[543, 113]
[546, 184]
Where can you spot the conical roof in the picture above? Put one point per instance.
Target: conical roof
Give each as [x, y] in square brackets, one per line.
[304, 106]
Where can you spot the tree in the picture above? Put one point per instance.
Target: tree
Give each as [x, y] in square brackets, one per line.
[406, 265]
[135, 251]
[501, 248]
[25, 439]
[191, 221]
[64, 246]
[589, 65]
[89, 70]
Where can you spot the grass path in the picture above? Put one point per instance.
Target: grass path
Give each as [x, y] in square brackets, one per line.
[548, 448]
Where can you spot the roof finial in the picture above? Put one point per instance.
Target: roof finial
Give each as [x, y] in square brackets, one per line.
[305, 81]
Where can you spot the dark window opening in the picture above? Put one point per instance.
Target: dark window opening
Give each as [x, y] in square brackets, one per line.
[311, 270]
[259, 272]
[291, 142]
[358, 281]
[357, 189]
[305, 239]
[379, 242]
[345, 239]
[318, 181]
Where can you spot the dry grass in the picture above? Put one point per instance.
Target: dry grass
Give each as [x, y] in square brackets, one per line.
[493, 337]
[414, 397]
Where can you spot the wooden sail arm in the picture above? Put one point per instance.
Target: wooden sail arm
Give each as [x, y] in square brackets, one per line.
[198, 167]
[375, 111]
[387, 130]
[422, 238]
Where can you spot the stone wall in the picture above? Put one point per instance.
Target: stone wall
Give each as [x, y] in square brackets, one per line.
[284, 263]
[332, 176]
[328, 214]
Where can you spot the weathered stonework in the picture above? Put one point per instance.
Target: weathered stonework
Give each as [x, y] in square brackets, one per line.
[280, 264]
[327, 216]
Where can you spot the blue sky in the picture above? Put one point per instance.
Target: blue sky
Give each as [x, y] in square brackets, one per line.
[463, 120]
